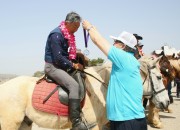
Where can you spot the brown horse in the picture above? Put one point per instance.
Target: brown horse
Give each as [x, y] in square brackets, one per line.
[167, 70]
[175, 62]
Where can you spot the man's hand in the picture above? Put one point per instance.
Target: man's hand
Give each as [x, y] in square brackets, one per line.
[78, 66]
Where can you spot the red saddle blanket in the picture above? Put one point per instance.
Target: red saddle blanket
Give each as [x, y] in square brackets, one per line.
[52, 105]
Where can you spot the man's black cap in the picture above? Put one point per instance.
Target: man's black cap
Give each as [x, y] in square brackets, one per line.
[137, 36]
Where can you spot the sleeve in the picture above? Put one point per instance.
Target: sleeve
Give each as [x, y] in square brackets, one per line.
[117, 56]
[57, 50]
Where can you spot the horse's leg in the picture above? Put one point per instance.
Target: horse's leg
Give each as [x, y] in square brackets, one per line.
[8, 124]
[153, 116]
[26, 124]
[169, 110]
[10, 119]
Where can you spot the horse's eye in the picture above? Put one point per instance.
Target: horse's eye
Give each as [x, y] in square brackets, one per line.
[158, 77]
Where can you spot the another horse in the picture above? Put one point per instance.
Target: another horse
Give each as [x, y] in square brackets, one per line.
[175, 62]
[167, 70]
[168, 73]
[16, 104]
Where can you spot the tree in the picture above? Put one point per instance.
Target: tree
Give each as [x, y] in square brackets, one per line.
[95, 62]
[38, 74]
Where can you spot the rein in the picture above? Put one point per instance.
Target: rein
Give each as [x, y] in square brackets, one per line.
[151, 81]
[94, 78]
[154, 91]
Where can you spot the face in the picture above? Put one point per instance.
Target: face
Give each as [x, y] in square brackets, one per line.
[72, 27]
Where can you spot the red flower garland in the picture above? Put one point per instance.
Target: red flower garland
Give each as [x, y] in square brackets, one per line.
[71, 40]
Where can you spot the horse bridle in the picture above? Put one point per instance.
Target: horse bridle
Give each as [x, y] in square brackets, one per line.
[151, 81]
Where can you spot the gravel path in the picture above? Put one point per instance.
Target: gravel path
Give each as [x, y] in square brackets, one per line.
[171, 121]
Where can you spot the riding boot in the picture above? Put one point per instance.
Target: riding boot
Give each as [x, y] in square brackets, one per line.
[75, 118]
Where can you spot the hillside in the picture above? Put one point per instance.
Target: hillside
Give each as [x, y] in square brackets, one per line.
[6, 77]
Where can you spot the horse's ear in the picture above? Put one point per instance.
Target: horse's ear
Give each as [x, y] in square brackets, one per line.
[155, 61]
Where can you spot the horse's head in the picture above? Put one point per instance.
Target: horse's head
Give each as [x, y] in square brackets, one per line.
[153, 84]
[167, 70]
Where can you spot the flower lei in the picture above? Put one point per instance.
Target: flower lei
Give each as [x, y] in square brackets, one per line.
[71, 40]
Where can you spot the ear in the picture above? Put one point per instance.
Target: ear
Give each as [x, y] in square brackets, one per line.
[123, 45]
[157, 60]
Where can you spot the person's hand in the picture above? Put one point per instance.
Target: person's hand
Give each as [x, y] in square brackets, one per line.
[78, 66]
[86, 25]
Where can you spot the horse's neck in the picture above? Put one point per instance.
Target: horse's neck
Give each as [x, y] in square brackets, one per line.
[175, 63]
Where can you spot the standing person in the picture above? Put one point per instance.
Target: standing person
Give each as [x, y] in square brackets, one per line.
[125, 90]
[169, 87]
[177, 82]
[140, 47]
[139, 53]
[60, 52]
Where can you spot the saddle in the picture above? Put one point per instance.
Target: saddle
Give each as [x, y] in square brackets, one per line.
[64, 93]
[50, 97]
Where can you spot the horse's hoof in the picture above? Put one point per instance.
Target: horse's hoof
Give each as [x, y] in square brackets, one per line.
[168, 110]
[159, 125]
[106, 126]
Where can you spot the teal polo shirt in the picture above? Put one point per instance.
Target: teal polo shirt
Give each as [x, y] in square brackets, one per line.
[125, 90]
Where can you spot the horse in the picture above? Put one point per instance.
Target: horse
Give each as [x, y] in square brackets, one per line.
[167, 70]
[16, 100]
[175, 62]
[168, 74]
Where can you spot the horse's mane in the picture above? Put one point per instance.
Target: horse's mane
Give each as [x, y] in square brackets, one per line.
[144, 62]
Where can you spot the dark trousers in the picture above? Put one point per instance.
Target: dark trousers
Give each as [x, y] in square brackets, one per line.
[135, 124]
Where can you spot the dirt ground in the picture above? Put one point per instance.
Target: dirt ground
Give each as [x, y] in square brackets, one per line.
[171, 121]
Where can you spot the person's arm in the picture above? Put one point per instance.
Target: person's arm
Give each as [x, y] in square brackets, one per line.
[101, 42]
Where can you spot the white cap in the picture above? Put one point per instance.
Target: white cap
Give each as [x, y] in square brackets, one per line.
[126, 38]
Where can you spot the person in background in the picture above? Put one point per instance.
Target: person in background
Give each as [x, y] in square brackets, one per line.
[139, 45]
[169, 87]
[177, 81]
[60, 56]
[125, 90]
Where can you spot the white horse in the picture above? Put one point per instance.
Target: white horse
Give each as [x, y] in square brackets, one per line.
[16, 96]
[15, 104]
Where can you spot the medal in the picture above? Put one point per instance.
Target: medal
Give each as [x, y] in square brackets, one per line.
[86, 38]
